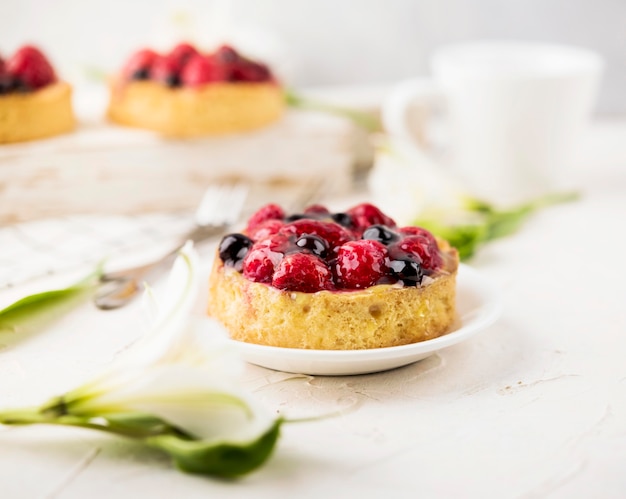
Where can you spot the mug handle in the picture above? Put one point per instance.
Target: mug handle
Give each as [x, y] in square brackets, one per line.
[394, 112]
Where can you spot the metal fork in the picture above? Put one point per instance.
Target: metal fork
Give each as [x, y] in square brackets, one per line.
[219, 209]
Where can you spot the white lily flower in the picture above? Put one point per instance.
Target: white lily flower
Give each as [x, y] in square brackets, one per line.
[177, 388]
[184, 371]
[408, 183]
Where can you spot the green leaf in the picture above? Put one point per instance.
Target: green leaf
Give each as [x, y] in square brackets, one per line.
[31, 313]
[489, 222]
[360, 118]
[219, 458]
[215, 457]
[466, 238]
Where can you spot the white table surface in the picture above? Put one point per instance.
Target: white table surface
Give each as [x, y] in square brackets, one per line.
[534, 406]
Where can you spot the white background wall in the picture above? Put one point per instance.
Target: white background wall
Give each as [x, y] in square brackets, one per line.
[317, 42]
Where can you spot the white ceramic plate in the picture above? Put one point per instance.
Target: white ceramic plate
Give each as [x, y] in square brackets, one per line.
[478, 306]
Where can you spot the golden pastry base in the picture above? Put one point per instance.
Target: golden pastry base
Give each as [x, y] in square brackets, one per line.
[35, 115]
[380, 316]
[213, 109]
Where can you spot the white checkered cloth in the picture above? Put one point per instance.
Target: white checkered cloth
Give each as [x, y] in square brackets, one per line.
[47, 247]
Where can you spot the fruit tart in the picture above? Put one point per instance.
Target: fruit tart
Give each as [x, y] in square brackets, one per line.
[333, 281]
[185, 93]
[33, 102]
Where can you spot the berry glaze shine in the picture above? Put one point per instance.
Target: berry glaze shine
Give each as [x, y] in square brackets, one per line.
[317, 250]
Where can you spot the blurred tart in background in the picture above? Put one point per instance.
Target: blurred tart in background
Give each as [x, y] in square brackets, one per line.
[34, 103]
[186, 93]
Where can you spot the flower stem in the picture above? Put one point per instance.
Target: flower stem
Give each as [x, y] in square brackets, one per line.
[360, 118]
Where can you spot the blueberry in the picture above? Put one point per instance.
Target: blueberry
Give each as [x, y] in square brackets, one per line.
[296, 216]
[173, 80]
[233, 248]
[380, 233]
[227, 55]
[314, 244]
[6, 85]
[141, 74]
[408, 270]
[343, 219]
[10, 84]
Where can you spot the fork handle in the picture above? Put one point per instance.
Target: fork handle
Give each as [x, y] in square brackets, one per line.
[121, 287]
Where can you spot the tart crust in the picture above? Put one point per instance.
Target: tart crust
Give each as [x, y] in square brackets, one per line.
[377, 317]
[35, 115]
[215, 108]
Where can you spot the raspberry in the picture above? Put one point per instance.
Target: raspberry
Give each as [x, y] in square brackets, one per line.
[226, 54]
[418, 231]
[139, 65]
[31, 67]
[201, 70]
[249, 71]
[266, 229]
[267, 212]
[183, 52]
[360, 264]
[302, 272]
[365, 214]
[420, 246]
[166, 70]
[335, 235]
[316, 209]
[277, 242]
[259, 263]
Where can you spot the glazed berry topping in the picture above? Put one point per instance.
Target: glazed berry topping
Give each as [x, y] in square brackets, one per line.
[262, 259]
[166, 70]
[317, 209]
[310, 252]
[185, 65]
[259, 264]
[422, 248]
[299, 216]
[183, 52]
[201, 70]
[226, 54]
[268, 212]
[367, 214]
[407, 270]
[233, 248]
[248, 71]
[139, 65]
[314, 244]
[418, 231]
[343, 219]
[334, 234]
[31, 68]
[360, 264]
[302, 272]
[381, 233]
[6, 80]
[265, 229]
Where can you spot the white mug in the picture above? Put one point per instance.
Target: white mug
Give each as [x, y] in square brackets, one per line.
[515, 112]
